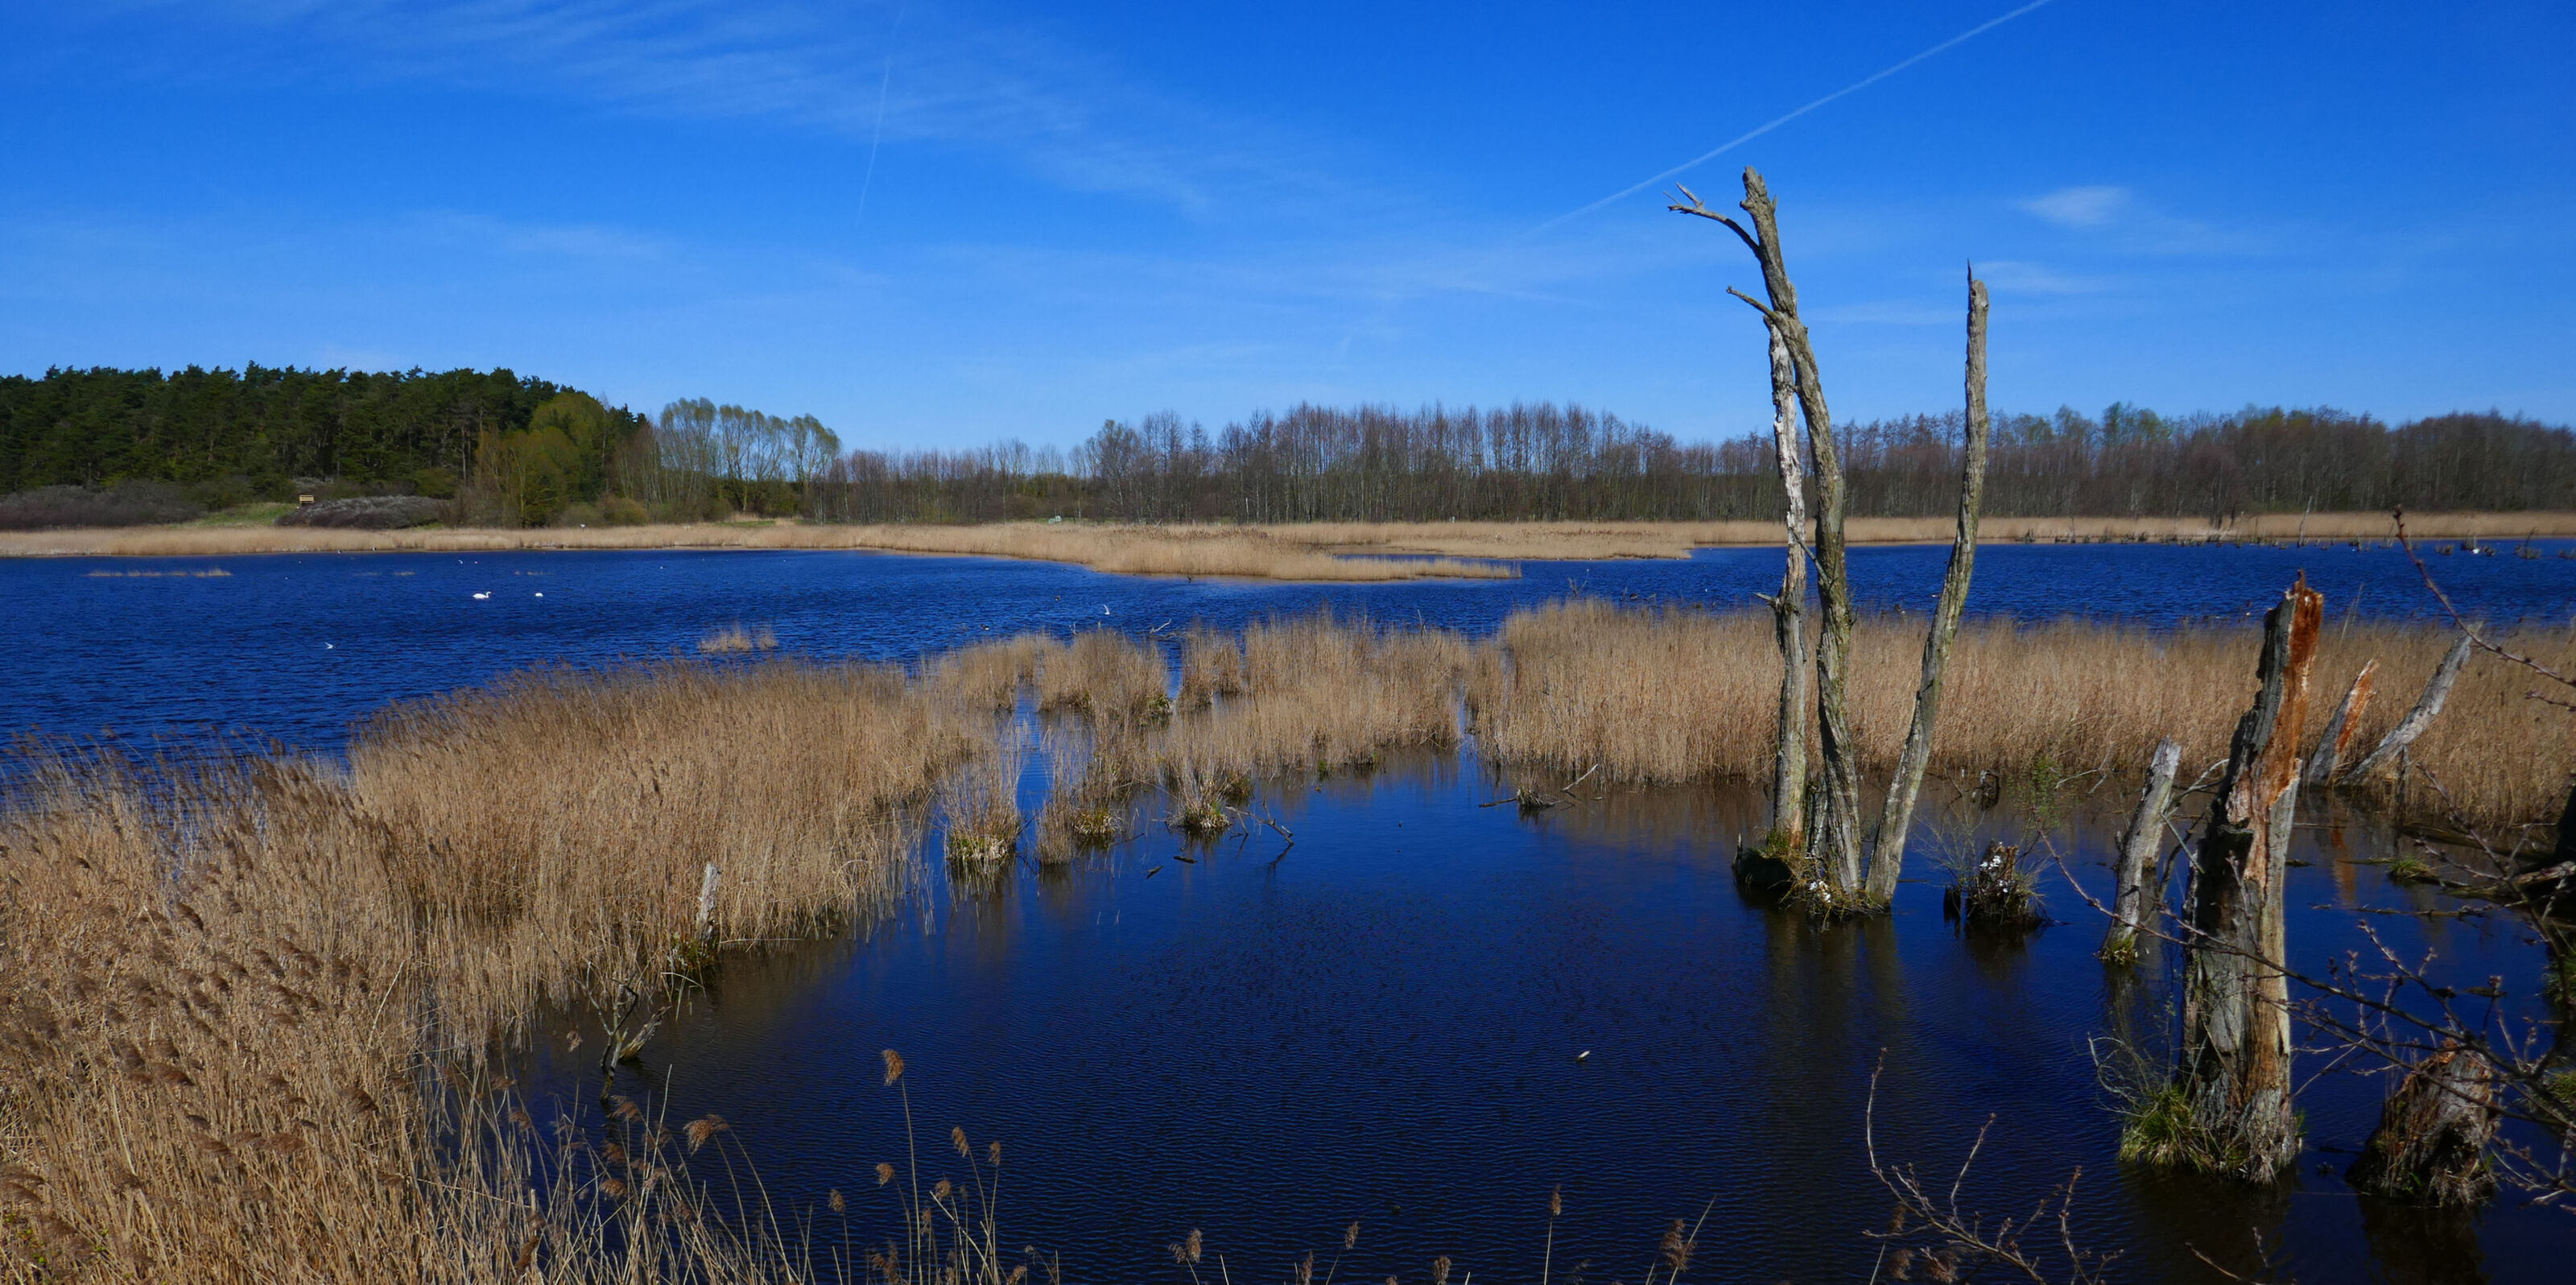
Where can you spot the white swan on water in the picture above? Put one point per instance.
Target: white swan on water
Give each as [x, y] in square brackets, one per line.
[483, 595]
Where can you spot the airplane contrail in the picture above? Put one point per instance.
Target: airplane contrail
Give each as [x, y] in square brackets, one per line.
[1775, 123]
[877, 134]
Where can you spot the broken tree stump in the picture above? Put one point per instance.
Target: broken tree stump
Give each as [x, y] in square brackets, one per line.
[2437, 691]
[2431, 1144]
[2231, 1085]
[2340, 729]
[2130, 914]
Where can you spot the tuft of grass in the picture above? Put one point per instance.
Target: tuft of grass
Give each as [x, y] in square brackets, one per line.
[983, 806]
[733, 639]
[1997, 894]
[2406, 867]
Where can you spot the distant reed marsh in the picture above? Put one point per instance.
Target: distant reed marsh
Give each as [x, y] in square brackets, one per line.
[1313, 551]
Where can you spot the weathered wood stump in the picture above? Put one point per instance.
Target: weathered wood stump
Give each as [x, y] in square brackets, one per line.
[2431, 1144]
[2130, 913]
[2230, 1094]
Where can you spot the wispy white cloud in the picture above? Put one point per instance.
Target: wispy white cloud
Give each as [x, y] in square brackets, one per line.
[2080, 207]
[2125, 222]
[1071, 117]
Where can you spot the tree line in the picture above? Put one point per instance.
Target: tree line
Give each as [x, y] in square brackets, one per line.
[234, 435]
[1526, 462]
[513, 450]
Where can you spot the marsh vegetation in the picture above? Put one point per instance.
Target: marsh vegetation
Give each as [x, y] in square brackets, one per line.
[241, 981]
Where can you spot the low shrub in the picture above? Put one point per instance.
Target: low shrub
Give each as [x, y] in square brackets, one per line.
[368, 513]
[124, 504]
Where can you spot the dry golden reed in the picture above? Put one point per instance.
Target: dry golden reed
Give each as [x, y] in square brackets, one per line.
[555, 826]
[1212, 551]
[228, 990]
[733, 639]
[1669, 696]
[1318, 551]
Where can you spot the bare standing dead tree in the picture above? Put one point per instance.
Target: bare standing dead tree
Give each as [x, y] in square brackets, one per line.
[1887, 846]
[1835, 837]
[1849, 871]
[1788, 613]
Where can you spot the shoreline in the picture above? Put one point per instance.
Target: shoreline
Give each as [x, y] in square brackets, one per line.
[1319, 552]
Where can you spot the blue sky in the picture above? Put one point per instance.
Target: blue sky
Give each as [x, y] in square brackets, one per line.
[938, 223]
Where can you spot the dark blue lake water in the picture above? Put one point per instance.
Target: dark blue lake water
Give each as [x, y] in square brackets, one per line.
[1382, 1023]
[296, 646]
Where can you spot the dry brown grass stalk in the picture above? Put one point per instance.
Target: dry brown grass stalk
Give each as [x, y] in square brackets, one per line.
[1297, 551]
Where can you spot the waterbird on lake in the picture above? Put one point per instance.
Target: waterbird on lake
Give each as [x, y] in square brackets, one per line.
[541, 593]
[1584, 1056]
[481, 596]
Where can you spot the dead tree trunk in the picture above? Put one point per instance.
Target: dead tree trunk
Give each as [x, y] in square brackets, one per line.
[1887, 848]
[2340, 729]
[2417, 719]
[2233, 1077]
[1835, 837]
[2431, 1143]
[1788, 615]
[2130, 914]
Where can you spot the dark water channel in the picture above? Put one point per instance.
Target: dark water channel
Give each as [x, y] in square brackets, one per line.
[1383, 1023]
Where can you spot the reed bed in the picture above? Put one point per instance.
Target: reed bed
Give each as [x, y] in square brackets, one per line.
[1668, 696]
[989, 675]
[1318, 551]
[1321, 693]
[1508, 541]
[232, 988]
[553, 829]
[1252, 553]
[1107, 675]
